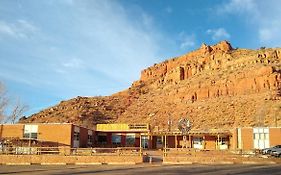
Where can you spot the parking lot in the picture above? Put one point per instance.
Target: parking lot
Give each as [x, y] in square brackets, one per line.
[144, 169]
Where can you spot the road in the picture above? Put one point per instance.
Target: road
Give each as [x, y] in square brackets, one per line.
[146, 169]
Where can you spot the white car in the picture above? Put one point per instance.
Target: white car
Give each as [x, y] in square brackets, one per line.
[271, 149]
[276, 152]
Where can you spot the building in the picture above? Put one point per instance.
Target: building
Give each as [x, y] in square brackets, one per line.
[246, 138]
[122, 135]
[48, 134]
[211, 139]
[140, 135]
[256, 138]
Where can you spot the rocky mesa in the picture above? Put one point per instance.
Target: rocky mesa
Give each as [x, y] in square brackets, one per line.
[214, 86]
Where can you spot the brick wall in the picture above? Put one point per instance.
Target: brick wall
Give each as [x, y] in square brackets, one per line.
[58, 134]
[234, 140]
[247, 138]
[57, 159]
[11, 131]
[274, 136]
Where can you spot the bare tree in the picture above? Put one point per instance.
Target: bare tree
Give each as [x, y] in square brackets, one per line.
[3, 102]
[16, 110]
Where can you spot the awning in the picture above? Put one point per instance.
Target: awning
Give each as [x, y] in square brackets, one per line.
[195, 132]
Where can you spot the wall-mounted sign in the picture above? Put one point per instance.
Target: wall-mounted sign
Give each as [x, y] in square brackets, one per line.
[184, 125]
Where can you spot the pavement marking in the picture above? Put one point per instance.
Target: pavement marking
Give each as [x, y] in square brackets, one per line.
[11, 163]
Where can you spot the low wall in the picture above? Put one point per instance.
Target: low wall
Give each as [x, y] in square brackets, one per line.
[63, 160]
[218, 160]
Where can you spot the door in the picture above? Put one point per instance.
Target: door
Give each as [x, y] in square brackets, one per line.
[144, 141]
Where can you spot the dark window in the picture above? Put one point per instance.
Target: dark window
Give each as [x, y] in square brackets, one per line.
[130, 139]
[102, 139]
[90, 138]
[76, 136]
[30, 135]
[116, 139]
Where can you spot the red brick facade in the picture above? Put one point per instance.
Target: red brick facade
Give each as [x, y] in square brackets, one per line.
[56, 134]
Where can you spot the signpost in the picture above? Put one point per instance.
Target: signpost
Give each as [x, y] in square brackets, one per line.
[184, 126]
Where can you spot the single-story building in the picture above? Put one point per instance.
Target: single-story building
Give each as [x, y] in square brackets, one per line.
[256, 138]
[247, 138]
[48, 134]
[122, 135]
[141, 135]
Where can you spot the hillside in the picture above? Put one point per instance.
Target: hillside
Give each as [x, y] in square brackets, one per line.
[214, 86]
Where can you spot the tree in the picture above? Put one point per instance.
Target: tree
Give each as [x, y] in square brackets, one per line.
[15, 109]
[3, 102]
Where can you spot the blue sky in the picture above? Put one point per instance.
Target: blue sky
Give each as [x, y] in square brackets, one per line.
[53, 50]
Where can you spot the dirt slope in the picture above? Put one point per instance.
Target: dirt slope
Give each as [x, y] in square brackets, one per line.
[214, 86]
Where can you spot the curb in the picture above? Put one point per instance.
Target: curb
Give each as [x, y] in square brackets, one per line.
[177, 163]
[89, 163]
[219, 162]
[121, 163]
[253, 162]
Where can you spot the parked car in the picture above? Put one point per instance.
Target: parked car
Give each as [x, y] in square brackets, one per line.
[276, 153]
[269, 150]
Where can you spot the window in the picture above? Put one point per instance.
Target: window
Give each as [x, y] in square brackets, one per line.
[256, 136]
[130, 139]
[224, 141]
[261, 138]
[159, 140]
[76, 136]
[198, 140]
[116, 139]
[102, 139]
[90, 138]
[30, 131]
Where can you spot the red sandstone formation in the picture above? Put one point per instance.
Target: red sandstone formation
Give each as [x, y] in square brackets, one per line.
[215, 86]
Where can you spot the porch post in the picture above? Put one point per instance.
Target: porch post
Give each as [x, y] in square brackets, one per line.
[150, 141]
[176, 141]
[140, 141]
[218, 142]
[165, 142]
[189, 140]
[204, 144]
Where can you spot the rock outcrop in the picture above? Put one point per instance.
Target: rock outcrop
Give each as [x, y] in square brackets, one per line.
[215, 86]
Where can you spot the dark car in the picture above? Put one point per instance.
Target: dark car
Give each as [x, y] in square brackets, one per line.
[269, 150]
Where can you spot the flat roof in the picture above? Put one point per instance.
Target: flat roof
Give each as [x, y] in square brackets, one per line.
[49, 124]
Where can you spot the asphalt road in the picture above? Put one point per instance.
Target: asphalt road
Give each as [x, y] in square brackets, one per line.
[146, 169]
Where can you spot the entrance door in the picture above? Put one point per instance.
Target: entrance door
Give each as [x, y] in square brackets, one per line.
[159, 142]
[144, 141]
